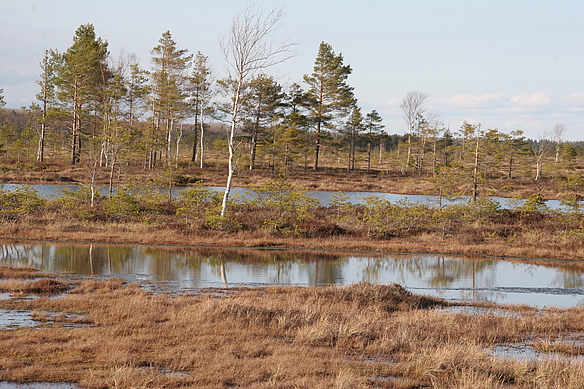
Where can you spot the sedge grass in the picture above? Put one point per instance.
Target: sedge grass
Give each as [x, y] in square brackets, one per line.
[357, 336]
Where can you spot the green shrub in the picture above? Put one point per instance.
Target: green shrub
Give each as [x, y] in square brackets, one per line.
[123, 205]
[480, 209]
[76, 204]
[282, 226]
[572, 204]
[279, 195]
[383, 218]
[196, 202]
[340, 203]
[150, 197]
[221, 223]
[535, 202]
[20, 202]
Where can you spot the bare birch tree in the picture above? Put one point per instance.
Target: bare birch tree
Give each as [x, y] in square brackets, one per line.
[249, 47]
[558, 133]
[539, 147]
[412, 107]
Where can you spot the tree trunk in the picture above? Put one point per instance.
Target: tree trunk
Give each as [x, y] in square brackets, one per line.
[369, 146]
[475, 178]
[317, 147]
[201, 147]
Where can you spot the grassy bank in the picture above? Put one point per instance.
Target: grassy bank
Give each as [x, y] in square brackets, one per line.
[176, 236]
[116, 335]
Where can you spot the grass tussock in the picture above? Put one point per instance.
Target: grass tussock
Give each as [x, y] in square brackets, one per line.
[357, 336]
[20, 272]
[45, 285]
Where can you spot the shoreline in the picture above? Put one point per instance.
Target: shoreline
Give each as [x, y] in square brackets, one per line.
[289, 248]
[172, 238]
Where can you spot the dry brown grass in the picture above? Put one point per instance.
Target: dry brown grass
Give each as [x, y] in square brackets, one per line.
[358, 336]
[20, 272]
[44, 285]
[531, 245]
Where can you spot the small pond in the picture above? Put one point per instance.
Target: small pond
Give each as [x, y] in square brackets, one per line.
[548, 283]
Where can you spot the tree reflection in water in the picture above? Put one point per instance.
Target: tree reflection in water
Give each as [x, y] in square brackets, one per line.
[449, 276]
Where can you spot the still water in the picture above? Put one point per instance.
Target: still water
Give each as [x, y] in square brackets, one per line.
[188, 269]
[324, 197]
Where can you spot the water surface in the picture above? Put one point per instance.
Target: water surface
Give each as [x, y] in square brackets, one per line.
[189, 269]
[324, 197]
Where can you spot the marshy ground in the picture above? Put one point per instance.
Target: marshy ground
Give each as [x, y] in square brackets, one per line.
[111, 334]
[107, 333]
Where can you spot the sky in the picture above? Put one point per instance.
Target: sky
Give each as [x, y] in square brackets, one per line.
[506, 64]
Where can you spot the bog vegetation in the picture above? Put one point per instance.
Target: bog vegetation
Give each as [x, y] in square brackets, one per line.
[279, 214]
[109, 334]
[104, 121]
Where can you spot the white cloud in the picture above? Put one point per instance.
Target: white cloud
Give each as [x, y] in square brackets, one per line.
[537, 99]
[572, 100]
[532, 112]
[470, 101]
[392, 102]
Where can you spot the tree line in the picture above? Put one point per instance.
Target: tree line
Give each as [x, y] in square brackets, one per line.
[106, 107]
[107, 112]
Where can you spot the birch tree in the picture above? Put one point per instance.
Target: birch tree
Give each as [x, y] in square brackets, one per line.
[413, 108]
[539, 148]
[249, 47]
[558, 133]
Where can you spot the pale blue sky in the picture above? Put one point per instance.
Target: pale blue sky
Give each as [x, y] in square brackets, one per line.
[514, 64]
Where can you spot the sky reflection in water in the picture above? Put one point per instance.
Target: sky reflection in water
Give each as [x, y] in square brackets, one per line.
[451, 277]
[324, 197]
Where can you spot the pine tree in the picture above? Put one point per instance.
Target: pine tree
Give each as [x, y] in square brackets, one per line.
[352, 131]
[331, 98]
[290, 137]
[261, 106]
[169, 89]
[373, 131]
[201, 93]
[46, 97]
[81, 78]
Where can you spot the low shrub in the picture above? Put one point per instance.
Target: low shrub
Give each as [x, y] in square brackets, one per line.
[221, 223]
[122, 206]
[19, 202]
